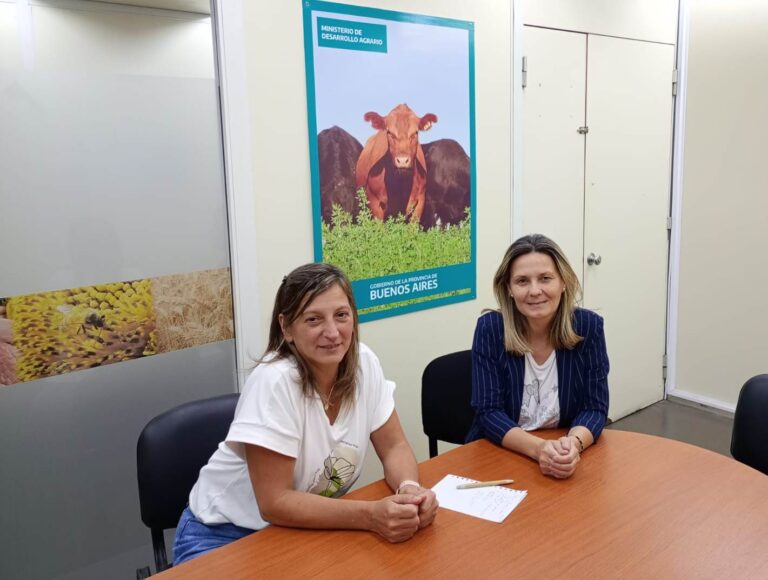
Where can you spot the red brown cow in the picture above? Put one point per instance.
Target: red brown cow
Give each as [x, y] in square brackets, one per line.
[392, 167]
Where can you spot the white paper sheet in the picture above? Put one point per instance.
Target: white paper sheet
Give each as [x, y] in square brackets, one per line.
[490, 503]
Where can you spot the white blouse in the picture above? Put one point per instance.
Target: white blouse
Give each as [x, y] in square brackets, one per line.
[541, 405]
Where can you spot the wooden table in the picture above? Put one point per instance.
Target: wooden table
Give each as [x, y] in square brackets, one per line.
[638, 507]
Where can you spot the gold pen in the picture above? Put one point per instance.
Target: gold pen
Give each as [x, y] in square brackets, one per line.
[485, 483]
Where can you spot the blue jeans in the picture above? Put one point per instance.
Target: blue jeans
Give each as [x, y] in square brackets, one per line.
[194, 538]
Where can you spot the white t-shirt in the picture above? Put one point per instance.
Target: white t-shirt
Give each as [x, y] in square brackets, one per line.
[273, 413]
[541, 406]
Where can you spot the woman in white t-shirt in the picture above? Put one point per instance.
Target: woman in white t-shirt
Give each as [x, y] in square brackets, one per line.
[301, 431]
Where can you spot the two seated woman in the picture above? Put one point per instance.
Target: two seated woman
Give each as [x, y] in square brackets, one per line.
[318, 395]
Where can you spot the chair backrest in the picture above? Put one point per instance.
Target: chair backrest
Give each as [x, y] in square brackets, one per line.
[446, 394]
[170, 452]
[750, 424]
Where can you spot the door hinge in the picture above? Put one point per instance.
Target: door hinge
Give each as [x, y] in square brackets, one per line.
[669, 223]
[664, 367]
[674, 83]
[525, 71]
[582, 130]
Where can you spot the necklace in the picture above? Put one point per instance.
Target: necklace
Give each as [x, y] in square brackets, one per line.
[327, 402]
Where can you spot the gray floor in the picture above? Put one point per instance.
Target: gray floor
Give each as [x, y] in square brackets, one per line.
[683, 421]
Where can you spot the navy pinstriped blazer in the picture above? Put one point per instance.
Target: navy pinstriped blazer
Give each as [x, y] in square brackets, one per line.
[497, 378]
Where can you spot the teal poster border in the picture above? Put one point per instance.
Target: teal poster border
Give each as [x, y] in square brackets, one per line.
[458, 281]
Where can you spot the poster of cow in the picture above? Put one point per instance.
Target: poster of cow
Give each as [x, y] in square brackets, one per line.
[390, 100]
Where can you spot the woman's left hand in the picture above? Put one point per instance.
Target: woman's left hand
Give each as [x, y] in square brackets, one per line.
[427, 506]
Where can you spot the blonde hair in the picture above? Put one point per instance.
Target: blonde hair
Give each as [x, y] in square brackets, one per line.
[296, 292]
[561, 332]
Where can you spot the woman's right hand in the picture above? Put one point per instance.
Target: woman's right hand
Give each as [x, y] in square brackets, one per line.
[396, 518]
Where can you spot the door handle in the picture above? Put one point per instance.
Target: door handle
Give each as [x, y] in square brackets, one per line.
[594, 260]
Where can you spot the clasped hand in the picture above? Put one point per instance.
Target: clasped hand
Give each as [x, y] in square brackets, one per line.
[398, 517]
[559, 457]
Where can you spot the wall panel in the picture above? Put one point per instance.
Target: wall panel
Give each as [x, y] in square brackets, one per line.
[723, 263]
[111, 167]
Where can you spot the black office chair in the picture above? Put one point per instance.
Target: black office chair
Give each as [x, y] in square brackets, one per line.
[171, 450]
[446, 393]
[750, 424]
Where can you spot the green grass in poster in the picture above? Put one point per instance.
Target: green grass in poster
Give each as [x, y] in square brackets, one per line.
[365, 247]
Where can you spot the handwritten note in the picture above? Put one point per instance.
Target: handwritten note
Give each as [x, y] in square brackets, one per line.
[490, 503]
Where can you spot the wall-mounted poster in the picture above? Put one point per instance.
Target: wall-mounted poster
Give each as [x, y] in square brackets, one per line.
[390, 98]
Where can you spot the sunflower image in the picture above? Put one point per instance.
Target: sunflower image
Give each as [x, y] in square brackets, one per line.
[68, 330]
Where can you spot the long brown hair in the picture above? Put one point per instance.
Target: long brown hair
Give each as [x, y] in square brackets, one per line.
[296, 292]
[561, 332]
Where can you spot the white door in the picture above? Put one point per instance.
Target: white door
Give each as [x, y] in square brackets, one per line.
[553, 149]
[606, 192]
[628, 160]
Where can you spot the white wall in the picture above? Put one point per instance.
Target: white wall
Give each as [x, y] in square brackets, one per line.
[722, 313]
[282, 224]
[654, 20]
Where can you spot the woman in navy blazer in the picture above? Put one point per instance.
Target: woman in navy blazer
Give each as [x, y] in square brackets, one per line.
[539, 361]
